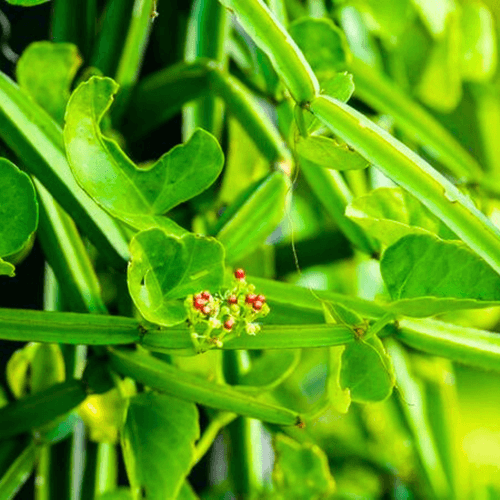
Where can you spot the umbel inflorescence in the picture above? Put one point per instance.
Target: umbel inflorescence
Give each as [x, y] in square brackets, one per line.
[215, 317]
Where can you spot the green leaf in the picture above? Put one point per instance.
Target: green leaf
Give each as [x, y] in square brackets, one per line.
[46, 70]
[169, 380]
[301, 471]
[328, 153]
[269, 370]
[388, 214]
[367, 371]
[18, 472]
[256, 217]
[19, 211]
[165, 268]
[6, 268]
[114, 181]
[440, 86]
[121, 493]
[340, 397]
[340, 86]
[323, 45]
[479, 42]
[158, 444]
[422, 265]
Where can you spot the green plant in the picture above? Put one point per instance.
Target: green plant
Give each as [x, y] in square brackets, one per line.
[314, 270]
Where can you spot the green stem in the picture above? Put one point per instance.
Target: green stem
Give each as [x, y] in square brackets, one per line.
[210, 433]
[18, 472]
[75, 22]
[410, 171]
[42, 474]
[414, 408]
[464, 345]
[244, 435]
[261, 24]
[170, 380]
[379, 92]
[207, 31]
[107, 468]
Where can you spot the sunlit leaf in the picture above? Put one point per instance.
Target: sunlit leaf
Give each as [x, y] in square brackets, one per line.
[158, 444]
[388, 214]
[45, 70]
[114, 181]
[422, 265]
[165, 269]
[435, 14]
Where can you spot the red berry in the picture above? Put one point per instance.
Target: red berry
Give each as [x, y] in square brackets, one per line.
[206, 295]
[257, 305]
[229, 323]
[232, 299]
[239, 274]
[250, 298]
[199, 303]
[261, 298]
[206, 310]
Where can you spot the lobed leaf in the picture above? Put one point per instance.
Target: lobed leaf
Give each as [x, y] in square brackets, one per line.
[158, 444]
[132, 194]
[164, 269]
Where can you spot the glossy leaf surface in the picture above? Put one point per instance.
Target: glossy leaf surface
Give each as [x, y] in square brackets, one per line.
[158, 443]
[113, 180]
[165, 269]
[46, 70]
[19, 211]
[388, 214]
[450, 269]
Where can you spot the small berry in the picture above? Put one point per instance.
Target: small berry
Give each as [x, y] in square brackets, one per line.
[206, 295]
[229, 323]
[199, 303]
[261, 298]
[257, 305]
[239, 274]
[232, 299]
[250, 298]
[206, 310]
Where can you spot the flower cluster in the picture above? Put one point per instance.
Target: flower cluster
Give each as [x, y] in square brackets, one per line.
[217, 317]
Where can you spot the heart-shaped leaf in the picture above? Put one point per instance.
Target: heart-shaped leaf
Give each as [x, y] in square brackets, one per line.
[166, 268]
[391, 213]
[133, 194]
[158, 444]
[18, 212]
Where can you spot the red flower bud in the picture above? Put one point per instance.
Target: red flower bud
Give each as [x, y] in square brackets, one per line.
[239, 274]
[206, 310]
[206, 295]
[261, 298]
[250, 298]
[229, 323]
[257, 305]
[198, 303]
[232, 299]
